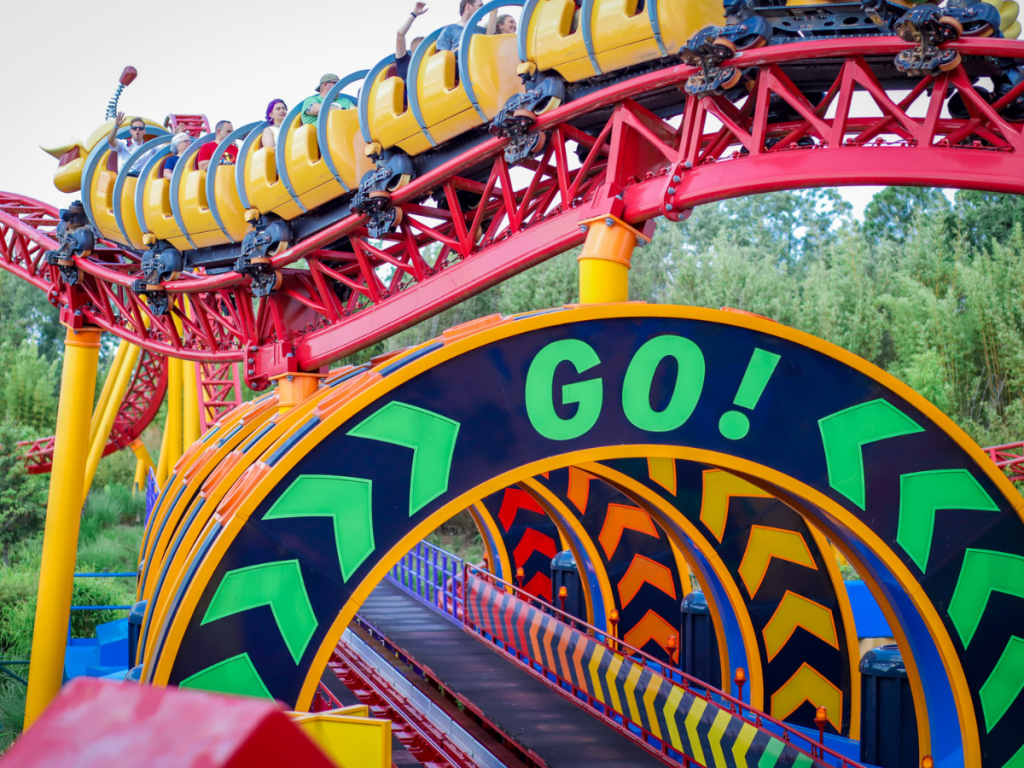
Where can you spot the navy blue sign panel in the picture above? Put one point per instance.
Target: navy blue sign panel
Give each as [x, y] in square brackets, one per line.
[891, 481]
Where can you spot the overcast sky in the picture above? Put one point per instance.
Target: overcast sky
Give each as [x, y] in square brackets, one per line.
[60, 62]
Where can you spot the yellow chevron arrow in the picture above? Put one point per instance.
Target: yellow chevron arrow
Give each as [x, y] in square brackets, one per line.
[797, 611]
[692, 720]
[742, 744]
[663, 472]
[764, 544]
[808, 684]
[715, 734]
[719, 487]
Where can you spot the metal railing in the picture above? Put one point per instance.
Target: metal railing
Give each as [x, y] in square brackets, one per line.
[122, 574]
[816, 749]
[434, 576]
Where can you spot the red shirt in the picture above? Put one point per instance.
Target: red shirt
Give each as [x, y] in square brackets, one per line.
[206, 152]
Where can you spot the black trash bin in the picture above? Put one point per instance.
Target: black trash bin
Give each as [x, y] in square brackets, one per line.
[698, 642]
[135, 616]
[888, 724]
[564, 573]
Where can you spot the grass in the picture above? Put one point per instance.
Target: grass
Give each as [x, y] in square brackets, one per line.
[109, 538]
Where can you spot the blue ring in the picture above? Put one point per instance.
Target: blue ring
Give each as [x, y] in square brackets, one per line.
[177, 173]
[522, 38]
[414, 74]
[279, 163]
[90, 169]
[364, 98]
[211, 172]
[122, 177]
[586, 19]
[652, 14]
[467, 37]
[140, 189]
[243, 155]
[321, 123]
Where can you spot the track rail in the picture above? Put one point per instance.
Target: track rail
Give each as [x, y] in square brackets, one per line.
[412, 728]
[605, 154]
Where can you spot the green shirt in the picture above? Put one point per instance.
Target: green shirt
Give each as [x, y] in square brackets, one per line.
[345, 102]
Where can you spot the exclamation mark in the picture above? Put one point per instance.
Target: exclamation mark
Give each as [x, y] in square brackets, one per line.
[733, 424]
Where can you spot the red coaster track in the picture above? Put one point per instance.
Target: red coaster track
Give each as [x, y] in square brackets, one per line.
[633, 164]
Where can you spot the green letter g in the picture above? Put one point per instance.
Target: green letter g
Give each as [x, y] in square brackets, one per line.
[540, 405]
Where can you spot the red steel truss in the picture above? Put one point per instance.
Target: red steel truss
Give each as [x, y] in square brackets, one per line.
[634, 165]
[1010, 459]
[220, 390]
[138, 408]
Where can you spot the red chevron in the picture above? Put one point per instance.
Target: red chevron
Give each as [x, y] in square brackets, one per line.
[539, 585]
[514, 500]
[650, 627]
[533, 541]
[642, 571]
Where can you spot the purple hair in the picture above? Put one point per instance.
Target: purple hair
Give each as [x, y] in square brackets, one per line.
[270, 109]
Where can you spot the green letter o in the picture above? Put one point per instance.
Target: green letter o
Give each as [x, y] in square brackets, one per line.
[540, 404]
[636, 388]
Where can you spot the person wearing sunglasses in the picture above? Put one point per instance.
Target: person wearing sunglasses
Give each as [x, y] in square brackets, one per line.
[126, 148]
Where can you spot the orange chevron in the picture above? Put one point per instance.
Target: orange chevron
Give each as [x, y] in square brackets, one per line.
[533, 541]
[650, 627]
[719, 487]
[764, 544]
[798, 611]
[808, 684]
[642, 571]
[539, 586]
[619, 518]
[549, 635]
[577, 662]
[514, 500]
[579, 488]
[663, 472]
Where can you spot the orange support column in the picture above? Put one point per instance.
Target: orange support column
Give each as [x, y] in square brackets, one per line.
[605, 261]
[294, 388]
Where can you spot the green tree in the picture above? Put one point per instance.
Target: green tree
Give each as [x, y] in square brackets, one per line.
[28, 388]
[892, 212]
[22, 497]
[988, 216]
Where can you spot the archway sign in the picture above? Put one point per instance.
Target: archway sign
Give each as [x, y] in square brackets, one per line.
[382, 459]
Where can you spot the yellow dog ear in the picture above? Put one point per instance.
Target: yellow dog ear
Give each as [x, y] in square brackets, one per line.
[62, 149]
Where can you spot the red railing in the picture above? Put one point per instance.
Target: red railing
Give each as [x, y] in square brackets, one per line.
[1010, 459]
[815, 749]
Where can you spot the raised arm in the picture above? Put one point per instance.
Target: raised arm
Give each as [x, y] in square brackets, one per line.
[400, 46]
[112, 136]
[492, 22]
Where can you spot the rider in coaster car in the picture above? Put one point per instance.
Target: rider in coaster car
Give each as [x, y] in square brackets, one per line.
[124, 149]
[506, 24]
[311, 106]
[205, 153]
[452, 34]
[277, 111]
[403, 53]
[179, 144]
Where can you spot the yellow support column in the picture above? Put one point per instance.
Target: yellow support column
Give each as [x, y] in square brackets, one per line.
[175, 396]
[115, 366]
[191, 429]
[604, 263]
[101, 429]
[161, 467]
[143, 462]
[63, 515]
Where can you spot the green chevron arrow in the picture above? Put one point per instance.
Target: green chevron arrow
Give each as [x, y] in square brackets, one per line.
[236, 675]
[922, 494]
[278, 585]
[983, 572]
[1004, 684]
[432, 439]
[345, 499]
[845, 433]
